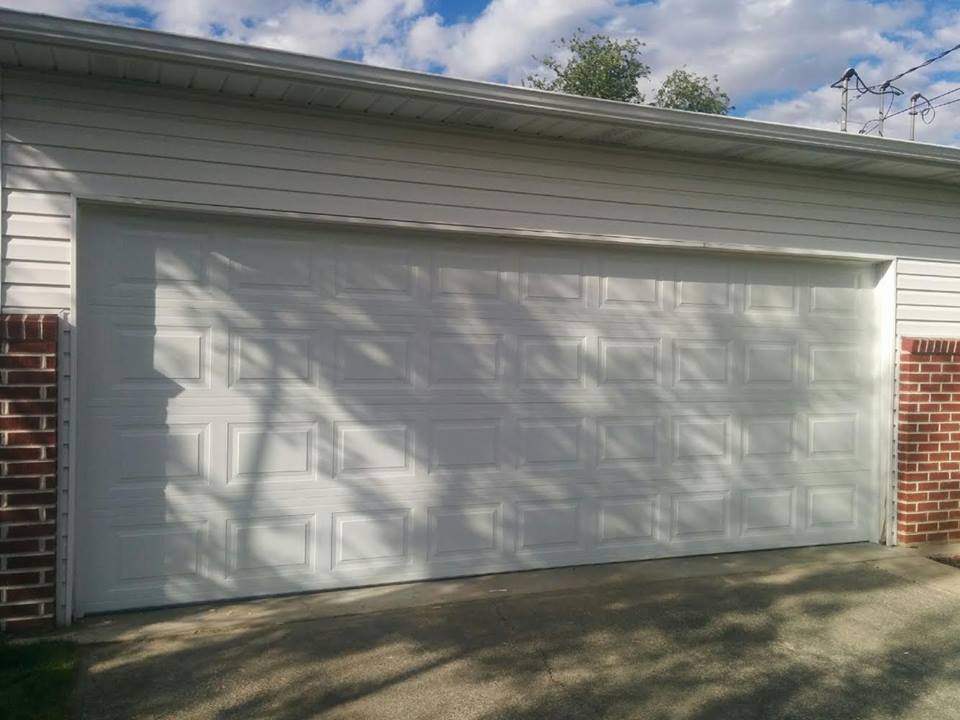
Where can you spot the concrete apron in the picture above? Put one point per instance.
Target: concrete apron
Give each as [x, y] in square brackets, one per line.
[244, 615]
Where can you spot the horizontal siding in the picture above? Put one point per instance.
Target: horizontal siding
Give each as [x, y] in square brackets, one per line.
[928, 298]
[96, 138]
[37, 227]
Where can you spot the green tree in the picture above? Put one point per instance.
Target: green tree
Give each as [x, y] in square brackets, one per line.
[683, 90]
[603, 67]
[598, 66]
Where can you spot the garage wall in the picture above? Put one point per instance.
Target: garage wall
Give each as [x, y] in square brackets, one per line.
[928, 298]
[66, 135]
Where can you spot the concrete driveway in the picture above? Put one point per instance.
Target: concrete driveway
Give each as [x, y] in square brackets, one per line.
[847, 632]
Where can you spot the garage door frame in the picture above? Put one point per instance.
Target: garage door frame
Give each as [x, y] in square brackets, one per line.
[884, 321]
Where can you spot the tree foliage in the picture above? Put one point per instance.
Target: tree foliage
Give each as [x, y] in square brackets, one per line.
[683, 90]
[597, 66]
[604, 67]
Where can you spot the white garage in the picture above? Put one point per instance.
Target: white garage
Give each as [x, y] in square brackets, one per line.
[297, 324]
[272, 407]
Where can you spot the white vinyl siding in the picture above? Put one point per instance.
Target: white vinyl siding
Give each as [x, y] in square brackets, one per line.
[78, 136]
[928, 298]
[36, 253]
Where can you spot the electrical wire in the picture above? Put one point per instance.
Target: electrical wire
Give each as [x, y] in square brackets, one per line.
[871, 125]
[860, 86]
[949, 102]
[927, 114]
[928, 61]
[944, 94]
[930, 108]
[887, 86]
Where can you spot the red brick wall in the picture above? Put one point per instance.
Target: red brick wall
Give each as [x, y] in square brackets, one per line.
[28, 470]
[928, 442]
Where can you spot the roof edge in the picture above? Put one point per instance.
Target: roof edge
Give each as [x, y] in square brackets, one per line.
[119, 40]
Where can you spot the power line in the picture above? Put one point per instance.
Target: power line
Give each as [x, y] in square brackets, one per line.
[877, 123]
[949, 102]
[928, 61]
[860, 86]
[927, 114]
[944, 94]
[927, 101]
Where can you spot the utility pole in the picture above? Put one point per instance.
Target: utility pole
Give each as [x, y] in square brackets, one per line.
[913, 114]
[880, 117]
[845, 96]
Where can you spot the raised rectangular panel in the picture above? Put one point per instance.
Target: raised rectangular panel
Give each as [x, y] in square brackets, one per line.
[464, 532]
[626, 441]
[158, 551]
[625, 284]
[553, 443]
[161, 262]
[833, 435]
[770, 362]
[551, 360]
[278, 451]
[265, 545]
[703, 288]
[768, 437]
[375, 538]
[467, 276]
[464, 360]
[164, 454]
[548, 526]
[701, 362]
[258, 356]
[830, 364]
[700, 515]
[465, 445]
[830, 506]
[551, 279]
[268, 266]
[374, 272]
[375, 448]
[771, 290]
[627, 520]
[625, 361]
[375, 360]
[767, 511]
[701, 438]
[159, 355]
[834, 292]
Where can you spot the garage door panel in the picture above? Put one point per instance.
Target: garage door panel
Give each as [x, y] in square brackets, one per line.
[473, 277]
[260, 312]
[272, 408]
[186, 503]
[233, 551]
[221, 267]
[704, 288]
[188, 357]
[259, 357]
[274, 452]
[407, 445]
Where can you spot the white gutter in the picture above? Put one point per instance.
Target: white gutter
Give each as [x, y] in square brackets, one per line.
[165, 47]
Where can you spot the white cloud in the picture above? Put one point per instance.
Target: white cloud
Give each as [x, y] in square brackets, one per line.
[788, 50]
[500, 42]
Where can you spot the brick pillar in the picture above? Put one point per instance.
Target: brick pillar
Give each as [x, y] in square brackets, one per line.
[28, 471]
[928, 441]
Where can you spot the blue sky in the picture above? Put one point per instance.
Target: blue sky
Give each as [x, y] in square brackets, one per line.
[776, 58]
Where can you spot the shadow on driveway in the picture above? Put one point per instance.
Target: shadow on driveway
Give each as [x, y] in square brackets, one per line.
[854, 640]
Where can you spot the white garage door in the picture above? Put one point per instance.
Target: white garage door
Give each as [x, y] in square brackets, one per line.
[272, 408]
